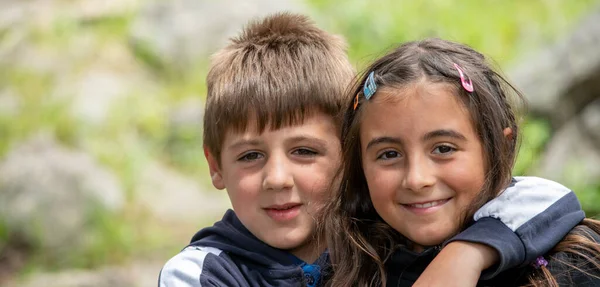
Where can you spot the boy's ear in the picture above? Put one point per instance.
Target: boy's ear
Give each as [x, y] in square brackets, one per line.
[508, 133]
[215, 169]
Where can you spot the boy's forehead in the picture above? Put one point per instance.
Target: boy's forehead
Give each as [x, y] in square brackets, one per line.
[309, 124]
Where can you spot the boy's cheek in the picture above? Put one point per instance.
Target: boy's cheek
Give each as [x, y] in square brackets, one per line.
[319, 196]
[322, 183]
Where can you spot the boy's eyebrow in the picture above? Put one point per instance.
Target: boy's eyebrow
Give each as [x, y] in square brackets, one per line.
[444, 133]
[315, 140]
[243, 142]
[379, 140]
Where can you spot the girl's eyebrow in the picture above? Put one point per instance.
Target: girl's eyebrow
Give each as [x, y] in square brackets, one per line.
[444, 133]
[380, 140]
[430, 135]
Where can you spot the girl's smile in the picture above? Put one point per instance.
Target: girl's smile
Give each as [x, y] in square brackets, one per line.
[425, 207]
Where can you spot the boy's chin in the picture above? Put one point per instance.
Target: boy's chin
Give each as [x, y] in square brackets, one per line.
[288, 240]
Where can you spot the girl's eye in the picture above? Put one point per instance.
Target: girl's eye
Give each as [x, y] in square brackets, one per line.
[389, 155]
[251, 156]
[304, 152]
[443, 149]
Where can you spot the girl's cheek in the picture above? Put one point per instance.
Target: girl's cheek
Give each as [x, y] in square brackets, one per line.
[469, 179]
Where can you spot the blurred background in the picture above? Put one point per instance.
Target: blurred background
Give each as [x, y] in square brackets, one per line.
[102, 175]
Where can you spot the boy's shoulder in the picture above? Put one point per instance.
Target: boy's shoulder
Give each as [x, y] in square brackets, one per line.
[198, 266]
[227, 254]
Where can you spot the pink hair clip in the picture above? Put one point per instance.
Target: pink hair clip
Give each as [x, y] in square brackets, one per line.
[464, 80]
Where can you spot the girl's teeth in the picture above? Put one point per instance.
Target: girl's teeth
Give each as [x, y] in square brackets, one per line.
[428, 204]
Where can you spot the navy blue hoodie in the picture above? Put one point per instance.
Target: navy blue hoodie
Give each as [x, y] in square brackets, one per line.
[525, 221]
[227, 254]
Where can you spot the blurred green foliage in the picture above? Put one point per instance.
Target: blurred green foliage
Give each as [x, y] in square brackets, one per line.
[501, 29]
[137, 131]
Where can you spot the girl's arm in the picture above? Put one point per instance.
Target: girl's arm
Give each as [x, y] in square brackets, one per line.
[523, 222]
[458, 264]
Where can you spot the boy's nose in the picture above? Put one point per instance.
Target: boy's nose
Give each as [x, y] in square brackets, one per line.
[418, 175]
[277, 174]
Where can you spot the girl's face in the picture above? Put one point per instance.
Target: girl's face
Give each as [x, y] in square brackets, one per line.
[422, 159]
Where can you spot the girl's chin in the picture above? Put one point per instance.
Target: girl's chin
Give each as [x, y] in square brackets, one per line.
[431, 234]
[421, 243]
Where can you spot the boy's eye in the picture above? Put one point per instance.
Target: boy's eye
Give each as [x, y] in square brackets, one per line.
[304, 152]
[443, 149]
[389, 155]
[250, 156]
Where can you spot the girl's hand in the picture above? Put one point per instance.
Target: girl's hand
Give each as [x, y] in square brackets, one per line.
[459, 264]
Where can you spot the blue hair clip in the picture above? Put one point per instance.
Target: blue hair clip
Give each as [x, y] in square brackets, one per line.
[370, 87]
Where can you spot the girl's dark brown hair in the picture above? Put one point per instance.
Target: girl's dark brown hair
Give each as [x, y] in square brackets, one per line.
[581, 254]
[360, 241]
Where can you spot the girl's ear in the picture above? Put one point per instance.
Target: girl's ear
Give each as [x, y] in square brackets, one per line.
[508, 133]
[215, 170]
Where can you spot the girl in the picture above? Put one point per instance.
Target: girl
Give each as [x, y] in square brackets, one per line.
[429, 139]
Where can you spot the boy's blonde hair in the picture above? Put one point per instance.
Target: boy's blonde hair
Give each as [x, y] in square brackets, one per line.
[277, 71]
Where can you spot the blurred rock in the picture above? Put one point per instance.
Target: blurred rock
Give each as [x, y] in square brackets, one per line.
[562, 84]
[45, 12]
[20, 18]
[591, 121]
[136, 274]
[9, 103]
[13, 36]
[561, 79]
[58, 41]
[172, 197]
[49, 193]
[97, 90]
[179, 33]
[575, 147]
[188, 113]
[108, 75]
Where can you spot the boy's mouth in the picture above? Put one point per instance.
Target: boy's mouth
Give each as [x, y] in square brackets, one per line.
[283, 212]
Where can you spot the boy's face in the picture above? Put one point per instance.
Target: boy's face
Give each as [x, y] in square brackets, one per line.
[278, 180]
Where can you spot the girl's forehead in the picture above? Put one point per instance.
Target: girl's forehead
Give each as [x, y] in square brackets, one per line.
[424, 89]
[415, 112]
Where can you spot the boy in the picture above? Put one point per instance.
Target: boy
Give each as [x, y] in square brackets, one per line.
[271, 138]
